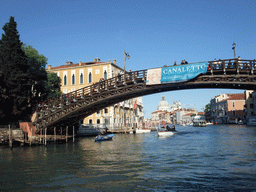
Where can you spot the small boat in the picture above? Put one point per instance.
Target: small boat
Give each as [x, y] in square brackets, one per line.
[168, 131]
[199, 123]
[143, 130]
[104, 137]
[91, 130]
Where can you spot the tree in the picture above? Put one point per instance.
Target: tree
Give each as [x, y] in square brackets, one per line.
[37, 76]
[44, 85]
[14, 76]
[53, 86]
[207, 107]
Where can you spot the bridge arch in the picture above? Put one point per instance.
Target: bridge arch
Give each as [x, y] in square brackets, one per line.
[71, 107]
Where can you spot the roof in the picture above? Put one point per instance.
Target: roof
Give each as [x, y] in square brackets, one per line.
[95, 62]
[239, 96]
[75, 65]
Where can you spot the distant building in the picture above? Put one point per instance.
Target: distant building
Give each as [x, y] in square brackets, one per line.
[75, 76]
[250, 107]
[228, 108]
[175, 106]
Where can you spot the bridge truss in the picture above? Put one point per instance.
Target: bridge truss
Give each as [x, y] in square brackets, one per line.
[76, 105]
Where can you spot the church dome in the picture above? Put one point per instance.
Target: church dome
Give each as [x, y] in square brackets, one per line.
[163, 105]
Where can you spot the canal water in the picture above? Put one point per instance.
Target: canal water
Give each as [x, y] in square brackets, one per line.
[212, 158]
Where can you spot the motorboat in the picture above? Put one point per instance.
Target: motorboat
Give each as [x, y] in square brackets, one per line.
[198, 123]
[104, 137]
[90, 130]
[168, 131]
[143, 130]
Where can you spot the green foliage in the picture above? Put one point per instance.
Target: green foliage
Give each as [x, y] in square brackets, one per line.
[207, 107]
[23, 78]
[14, 76]
[53, 86]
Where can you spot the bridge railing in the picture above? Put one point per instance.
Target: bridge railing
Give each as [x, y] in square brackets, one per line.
[229, 65]
[53, 105]
[68, 100]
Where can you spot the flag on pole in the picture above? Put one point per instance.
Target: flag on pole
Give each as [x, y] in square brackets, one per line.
[135, 105]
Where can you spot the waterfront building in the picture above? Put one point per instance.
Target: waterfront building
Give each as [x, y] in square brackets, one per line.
[250, 103]
[183, 115]
[228, 108]
[175, 106]
[128, 113]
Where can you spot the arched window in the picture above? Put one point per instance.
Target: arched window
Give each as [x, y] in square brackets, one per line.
[90, 121]
[90, 77]
[105, 75]
[65, 80]
[81, 78]
[98, 121]
[73, 79]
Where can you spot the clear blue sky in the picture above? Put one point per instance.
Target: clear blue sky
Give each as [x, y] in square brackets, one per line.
[154, 33]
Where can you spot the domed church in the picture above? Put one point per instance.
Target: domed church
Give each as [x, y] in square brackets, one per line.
[163, 105]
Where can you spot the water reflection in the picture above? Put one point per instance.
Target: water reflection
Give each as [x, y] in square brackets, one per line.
[209, 158]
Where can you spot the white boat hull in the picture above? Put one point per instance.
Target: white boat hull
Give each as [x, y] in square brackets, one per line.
[165, 133]
[143, 130]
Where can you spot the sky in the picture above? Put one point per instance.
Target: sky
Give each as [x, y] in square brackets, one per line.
[154, 33]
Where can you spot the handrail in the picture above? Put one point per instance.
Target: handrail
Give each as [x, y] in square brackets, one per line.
[51, 106]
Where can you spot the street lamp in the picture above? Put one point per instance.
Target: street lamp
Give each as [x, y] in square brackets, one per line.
[125, 55]
[234, 46]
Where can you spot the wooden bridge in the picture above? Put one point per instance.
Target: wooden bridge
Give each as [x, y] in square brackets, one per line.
[76, 105]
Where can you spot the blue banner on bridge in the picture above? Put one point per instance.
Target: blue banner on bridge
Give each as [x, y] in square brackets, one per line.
[175, 74]
[182, 72]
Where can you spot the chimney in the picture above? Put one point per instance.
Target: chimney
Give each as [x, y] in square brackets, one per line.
[80, 63]
[69, 63]
[97, 59]
[114, 61]
[49, 67]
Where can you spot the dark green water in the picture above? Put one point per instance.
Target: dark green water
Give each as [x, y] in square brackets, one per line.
[212, 158]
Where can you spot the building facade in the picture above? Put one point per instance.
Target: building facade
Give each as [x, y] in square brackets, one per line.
[228, 108]
[75, 76]
[250, 107]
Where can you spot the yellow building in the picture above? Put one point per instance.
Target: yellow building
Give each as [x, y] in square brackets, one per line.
[76, 76]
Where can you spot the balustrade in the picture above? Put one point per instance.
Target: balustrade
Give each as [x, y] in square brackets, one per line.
[66, 103]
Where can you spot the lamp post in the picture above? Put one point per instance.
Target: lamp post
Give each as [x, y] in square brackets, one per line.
[125, 55]
[234, 48]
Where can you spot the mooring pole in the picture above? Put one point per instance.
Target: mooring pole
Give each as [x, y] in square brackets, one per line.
[40, 136]
[67, 134]
[54, 134]
[10, 136]
[73, 134]
[30, 139]
[45, 135]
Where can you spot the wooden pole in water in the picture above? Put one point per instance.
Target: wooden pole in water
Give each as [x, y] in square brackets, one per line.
[40, 136]
[61, 133]
[30, 139]
[54, 134]
[67, 134]
[73, 134]
[45, 136]
[10, 136]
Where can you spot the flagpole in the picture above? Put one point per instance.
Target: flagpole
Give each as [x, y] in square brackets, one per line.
[124, 61]
[125, 55]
